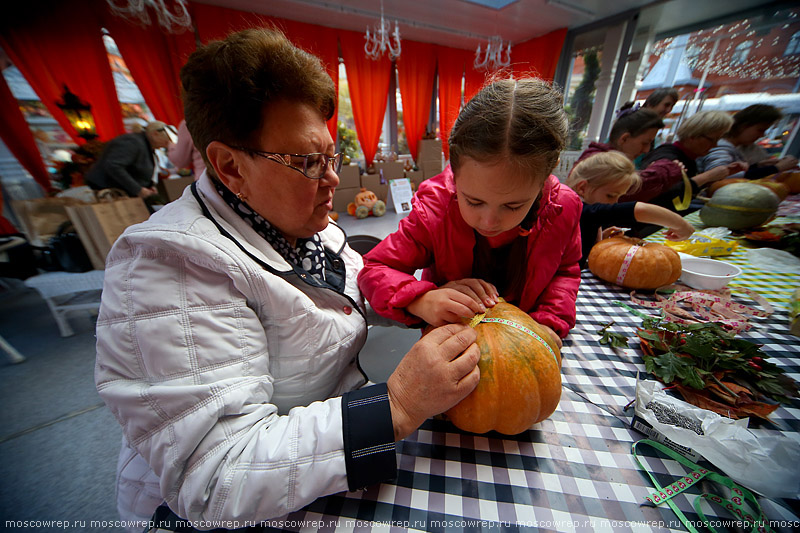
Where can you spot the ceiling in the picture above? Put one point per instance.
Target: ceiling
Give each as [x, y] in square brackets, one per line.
[467, 23]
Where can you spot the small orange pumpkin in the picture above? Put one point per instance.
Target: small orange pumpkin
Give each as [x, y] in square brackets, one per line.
[365, 198]
[520, 381]
[649, 266]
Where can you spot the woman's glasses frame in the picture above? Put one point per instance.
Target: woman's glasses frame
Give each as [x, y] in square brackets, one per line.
[286, 160]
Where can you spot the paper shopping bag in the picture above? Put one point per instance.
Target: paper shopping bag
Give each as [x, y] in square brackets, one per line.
[40, 218]
[99, 225]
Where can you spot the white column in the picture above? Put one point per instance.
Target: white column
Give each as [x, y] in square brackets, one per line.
[610, 57]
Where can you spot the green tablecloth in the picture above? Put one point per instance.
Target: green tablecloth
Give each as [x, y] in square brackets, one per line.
[776, 287]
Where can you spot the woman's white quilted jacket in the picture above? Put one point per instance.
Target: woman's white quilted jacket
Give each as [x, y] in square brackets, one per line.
[203, 354]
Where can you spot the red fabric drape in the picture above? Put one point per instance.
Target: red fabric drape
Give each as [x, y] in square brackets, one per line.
[17, 136]
[324, 43]
[538, 56]
[217, 22]
[451, 70]
[154, 58]
[416, 70]
[59, 43]
[473, 79]
[369, 88]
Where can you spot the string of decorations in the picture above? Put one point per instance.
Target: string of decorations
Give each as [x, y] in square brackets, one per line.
[744, 51]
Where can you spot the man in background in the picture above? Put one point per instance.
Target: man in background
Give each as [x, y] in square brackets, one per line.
[128, 162]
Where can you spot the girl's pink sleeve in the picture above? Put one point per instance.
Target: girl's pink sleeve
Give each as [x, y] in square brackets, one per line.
[556, 305]
[387, 280]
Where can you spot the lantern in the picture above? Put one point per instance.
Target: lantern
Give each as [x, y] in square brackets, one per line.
[79, 115]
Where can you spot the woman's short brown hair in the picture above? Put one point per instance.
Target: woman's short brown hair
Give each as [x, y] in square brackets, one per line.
[228, 83]
[634, 123]
[522, 121]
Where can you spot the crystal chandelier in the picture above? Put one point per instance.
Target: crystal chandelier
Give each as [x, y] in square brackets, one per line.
[494, 56]
[383, 39]
[173, 20]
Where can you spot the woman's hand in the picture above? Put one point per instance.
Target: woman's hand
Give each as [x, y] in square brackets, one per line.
[736, 166]
[439, 371]
[785, 163]
[449, 303]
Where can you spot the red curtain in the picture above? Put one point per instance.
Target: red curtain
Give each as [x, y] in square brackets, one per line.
[451, 70]
[369, 88]
[214, 23]
[154, 58]
[59, 43]
[17, 136]
[473, 79]
[538, 56]
[416, 70]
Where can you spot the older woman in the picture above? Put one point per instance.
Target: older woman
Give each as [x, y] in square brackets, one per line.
[749, 125]
[697, 135]
[230, 326]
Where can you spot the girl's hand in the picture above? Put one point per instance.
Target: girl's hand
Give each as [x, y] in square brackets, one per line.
[613, 231]
[556, 340]
[445, 306]
[680, 232]
[481, 291]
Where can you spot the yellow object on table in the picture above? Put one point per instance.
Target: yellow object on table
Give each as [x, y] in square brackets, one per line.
[703, 246]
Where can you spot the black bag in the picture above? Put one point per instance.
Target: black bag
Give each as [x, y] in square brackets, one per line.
[65, 251]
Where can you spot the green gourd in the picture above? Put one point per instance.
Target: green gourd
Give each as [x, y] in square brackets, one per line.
[740, 206]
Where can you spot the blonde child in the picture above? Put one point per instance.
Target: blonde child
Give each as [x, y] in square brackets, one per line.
[600, 181]
[494, 223]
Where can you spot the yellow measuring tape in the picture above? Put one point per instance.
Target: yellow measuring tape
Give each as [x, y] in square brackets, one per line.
[683, 204]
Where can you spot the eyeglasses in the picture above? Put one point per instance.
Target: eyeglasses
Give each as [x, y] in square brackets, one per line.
[313, 166]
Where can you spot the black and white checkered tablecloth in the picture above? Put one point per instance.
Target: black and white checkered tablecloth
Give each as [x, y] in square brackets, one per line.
[571, 472]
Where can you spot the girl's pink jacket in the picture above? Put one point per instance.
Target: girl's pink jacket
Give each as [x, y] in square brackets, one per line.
[435, 238]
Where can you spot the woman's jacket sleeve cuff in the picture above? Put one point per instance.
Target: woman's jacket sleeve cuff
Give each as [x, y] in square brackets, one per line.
[368, 432]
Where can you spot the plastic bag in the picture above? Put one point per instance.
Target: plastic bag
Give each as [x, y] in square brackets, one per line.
[709, 242]
[768, 463]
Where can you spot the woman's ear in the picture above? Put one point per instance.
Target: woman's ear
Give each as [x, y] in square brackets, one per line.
[622, 138]
[225, 161]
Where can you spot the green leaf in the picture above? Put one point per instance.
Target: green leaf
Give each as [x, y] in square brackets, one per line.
[693, 379]
[615, 340]
[670, 365]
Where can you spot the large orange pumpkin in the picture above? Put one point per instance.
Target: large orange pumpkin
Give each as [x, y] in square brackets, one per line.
[647, 266]
[520, 375]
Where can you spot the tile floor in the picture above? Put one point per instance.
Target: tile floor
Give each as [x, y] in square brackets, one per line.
[58, 441]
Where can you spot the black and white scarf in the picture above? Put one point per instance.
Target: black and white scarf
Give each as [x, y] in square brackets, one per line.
[307, 255]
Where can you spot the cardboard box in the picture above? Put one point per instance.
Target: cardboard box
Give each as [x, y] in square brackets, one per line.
[431, 168]
[372, 182]
[429, 150]
[349, 177]
[342, 197]
[391, 170]
[172, 188]
[416, 177]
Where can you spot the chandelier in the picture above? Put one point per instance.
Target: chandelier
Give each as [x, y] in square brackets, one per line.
[174, 20]
[494, 56]
[383, 39]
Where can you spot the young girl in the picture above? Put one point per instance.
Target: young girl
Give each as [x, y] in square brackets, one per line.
[600, 180]
[494, 223]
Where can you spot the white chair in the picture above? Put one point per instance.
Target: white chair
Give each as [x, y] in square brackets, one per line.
[13, 354]
[565, 162]
[66, 292]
